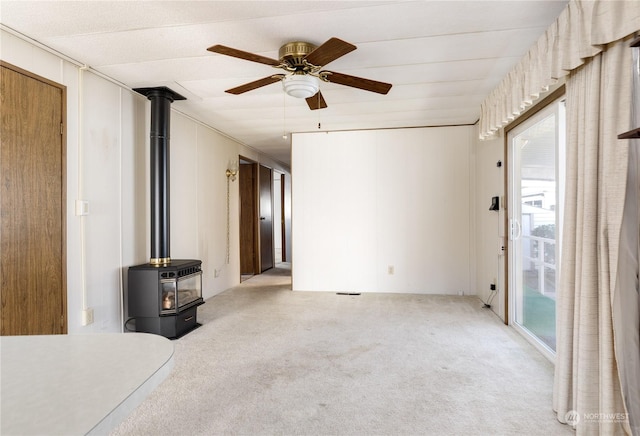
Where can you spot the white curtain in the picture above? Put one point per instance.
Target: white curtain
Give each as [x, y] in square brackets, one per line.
[587, 386]
[581, 31]
[588, 44]
[626, 302]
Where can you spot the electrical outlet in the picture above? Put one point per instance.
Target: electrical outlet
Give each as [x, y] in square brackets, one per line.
[492, 287]
[390, 270]
[216, 273]
[87, 316]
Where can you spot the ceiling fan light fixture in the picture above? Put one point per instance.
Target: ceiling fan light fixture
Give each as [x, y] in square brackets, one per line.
[300, 85]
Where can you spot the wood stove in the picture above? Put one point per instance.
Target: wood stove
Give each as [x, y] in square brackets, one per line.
[164, 294]
[163, 299]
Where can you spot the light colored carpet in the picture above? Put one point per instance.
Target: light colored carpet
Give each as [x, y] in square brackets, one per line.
[271, 361]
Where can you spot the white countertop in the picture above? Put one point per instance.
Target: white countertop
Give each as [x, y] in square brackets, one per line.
[77, 384]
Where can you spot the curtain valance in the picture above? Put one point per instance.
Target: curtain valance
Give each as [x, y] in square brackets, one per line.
[579, 32]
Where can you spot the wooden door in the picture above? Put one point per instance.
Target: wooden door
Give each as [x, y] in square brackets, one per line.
[283, 226]
[248, 180]
[32, 199]
[266, 219]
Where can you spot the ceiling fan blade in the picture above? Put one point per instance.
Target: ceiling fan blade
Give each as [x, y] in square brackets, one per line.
[329, 51]
[357, 82]
[316, 101]
[243, 55]
[255, 84]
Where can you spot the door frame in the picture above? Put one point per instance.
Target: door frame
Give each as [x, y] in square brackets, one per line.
[254, 218]
[282, 218]
[555, 98]
[507, 163]
[64, 322]
[261, 268]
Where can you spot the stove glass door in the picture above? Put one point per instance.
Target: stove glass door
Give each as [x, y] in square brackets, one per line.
[168, 302]
[189, 289]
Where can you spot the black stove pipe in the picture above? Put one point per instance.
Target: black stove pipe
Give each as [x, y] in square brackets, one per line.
[161, 99]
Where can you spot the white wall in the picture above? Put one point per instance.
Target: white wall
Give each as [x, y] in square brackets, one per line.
[490, 229]
[373, 200]
[365, 201]
[108, 166]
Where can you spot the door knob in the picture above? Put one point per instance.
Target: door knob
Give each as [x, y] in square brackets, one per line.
[262, 218]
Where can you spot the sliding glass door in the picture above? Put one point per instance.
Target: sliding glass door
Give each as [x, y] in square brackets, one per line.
[536, 156]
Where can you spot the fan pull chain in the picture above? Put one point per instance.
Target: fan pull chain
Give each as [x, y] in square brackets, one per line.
[319, 108]
[284, 115]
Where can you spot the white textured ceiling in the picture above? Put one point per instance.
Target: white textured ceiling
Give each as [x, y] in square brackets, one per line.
[442, 57]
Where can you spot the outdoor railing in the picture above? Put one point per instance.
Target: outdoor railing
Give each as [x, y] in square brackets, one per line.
[540, 253]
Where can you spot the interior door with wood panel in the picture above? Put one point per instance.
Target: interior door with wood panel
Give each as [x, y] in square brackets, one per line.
[283, 226]
[266, 219]
[248, 180]
[32, 199]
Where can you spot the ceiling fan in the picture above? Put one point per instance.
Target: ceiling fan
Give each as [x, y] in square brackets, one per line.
[303, 63]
